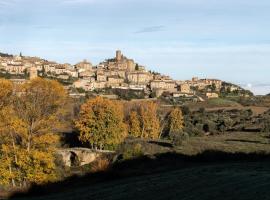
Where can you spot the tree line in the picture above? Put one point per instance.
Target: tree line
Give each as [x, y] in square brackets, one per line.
[32, 114]
[104, 123]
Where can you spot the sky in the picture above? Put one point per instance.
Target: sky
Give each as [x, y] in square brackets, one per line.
[224, 39]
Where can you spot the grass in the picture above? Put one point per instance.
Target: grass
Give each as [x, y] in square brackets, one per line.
[218, 181]
[215, 104]
[230, 142]
[221, 102]
[231, 166]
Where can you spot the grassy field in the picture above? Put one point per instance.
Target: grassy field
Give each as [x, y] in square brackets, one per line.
[232, 166]
[235, 180]
[217, 103]
[234, 142]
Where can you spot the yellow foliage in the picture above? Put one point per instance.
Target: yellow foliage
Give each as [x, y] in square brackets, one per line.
[6, 89]
[27, 136]
[101, 123]
[134, 124]
[176, 121]
[144, 122]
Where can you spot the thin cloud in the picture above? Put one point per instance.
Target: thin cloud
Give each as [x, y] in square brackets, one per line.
[79, 1]
[150, 29]
[43, 27]
[4, 3]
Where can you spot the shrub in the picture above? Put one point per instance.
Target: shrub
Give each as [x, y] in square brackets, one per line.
[178, 137]
[133, 152]
[266, 126]
[101, 165]
[185, 110]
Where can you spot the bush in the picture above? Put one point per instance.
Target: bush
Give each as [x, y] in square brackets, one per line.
[200, 126]
[178, 137]
[266, 126]
[192, 130]
[186, 110]
[133, 152]
[101, 165]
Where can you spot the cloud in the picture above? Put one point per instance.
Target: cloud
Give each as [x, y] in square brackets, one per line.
[43, 27]
[78, 1]
[150, 29]
[4, 3]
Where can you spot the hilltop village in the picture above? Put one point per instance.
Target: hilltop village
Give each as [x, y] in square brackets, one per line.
[119, 73]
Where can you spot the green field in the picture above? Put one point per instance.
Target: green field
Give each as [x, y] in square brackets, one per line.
[232, 166]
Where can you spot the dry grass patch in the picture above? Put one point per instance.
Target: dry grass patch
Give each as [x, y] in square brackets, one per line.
[232, 143]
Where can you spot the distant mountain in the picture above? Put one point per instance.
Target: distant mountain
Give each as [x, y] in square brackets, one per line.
[5, 55]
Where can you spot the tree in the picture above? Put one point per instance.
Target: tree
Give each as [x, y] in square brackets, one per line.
[145, 123]
[134, 124]
[149, 120]
[6, 89]
[27, 133]
[100, 123]
[175, 120]
[41, 106]
[213, 87]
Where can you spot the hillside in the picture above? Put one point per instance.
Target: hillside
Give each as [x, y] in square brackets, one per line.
[200, 168]
[235, 180]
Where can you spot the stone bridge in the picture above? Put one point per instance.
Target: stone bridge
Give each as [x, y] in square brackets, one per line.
[81, 156]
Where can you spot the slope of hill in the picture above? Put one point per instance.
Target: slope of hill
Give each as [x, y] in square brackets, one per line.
[212, 174]
[233, 180]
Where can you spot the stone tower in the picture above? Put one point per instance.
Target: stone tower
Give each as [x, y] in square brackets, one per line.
[118, 55]
[131, 65]
[33, 73]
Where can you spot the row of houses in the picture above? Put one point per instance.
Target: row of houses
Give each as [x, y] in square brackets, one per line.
[119, 72]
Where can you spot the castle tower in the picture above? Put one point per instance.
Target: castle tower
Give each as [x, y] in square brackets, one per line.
[131, 65]
[118, 55]
[33, 73]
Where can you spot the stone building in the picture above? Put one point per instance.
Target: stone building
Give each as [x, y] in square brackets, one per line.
[120, 62]
[84, 66]
[33, 73]
[101, 77]
[115, 80]
[139, 77]
[211, 95]
[184, 88]
[216, 82]
[164, 85]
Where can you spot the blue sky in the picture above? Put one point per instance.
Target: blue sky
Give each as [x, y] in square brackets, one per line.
[229, 39]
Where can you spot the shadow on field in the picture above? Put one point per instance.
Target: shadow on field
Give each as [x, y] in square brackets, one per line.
[144, 166]
[245, 141]
[161, 143]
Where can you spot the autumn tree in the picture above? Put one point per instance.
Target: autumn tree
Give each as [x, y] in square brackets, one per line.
[101, 123]
[175, 120]
[6, 89]
[27, 133]
[144, 121]
[134, 124]
[176, 126]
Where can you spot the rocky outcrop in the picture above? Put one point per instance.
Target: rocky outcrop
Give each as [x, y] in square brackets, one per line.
[81, 156]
